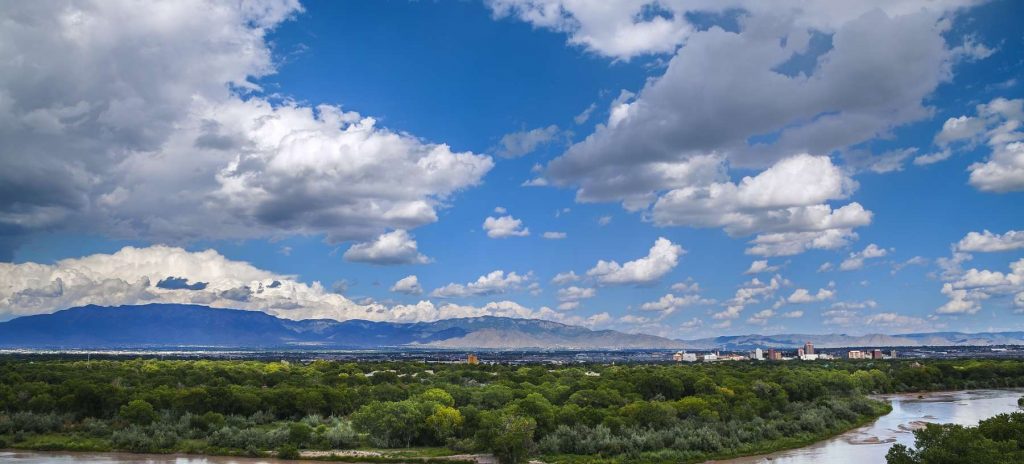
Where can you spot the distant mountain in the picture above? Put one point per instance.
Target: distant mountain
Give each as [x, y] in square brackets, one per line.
[174, 325]
[744, 342]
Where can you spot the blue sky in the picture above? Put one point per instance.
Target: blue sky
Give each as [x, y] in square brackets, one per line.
[641, 122]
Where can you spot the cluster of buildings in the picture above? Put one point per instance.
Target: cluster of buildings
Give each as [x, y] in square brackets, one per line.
[804, 353]
[870, 354]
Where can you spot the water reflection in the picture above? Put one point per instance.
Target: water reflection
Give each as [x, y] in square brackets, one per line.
[869, 444]
[32, 457]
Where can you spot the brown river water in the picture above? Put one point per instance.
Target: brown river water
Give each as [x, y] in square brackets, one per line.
[865, 445]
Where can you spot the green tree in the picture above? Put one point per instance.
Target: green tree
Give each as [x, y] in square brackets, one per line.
[138, 412]
[508, 436]
[444, 422]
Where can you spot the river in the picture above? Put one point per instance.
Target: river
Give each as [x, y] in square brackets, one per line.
[868, 444]
[865, 445]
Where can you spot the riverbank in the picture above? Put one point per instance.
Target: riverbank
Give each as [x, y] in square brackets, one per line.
[868, 444]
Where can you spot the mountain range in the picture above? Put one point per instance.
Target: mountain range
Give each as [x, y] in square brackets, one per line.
[176, 325]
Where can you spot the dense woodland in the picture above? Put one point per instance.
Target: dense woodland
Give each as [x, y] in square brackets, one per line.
[580, 413]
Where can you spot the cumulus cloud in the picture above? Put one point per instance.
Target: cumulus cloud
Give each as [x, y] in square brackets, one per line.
[760, 266]
[522, 143]
[126, 277]
[686, 286]
[785, 205]
[491, 283]
[409, 285]
[733, 96]
[98, 136]
[969, 288]
[986, 242]
[555, 235]
[997, 124]
[505, 226]
[670, 303]
[563, 278]
[396, 247]
[761, 317]
[856, 260]
[802, 295]
[661, 258]
[724, 87]
[570, 297]
[752, 292]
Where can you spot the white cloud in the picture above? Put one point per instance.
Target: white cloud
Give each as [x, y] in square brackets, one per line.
[584, 116]
[752, 292]
[563, 278]
[967, 289]
[986, 241]
[724, 90]
[801, 295]
[505, 226]
[998, 124]
[760, 266]
[793, 314]
[686, 286]
[761, 317]
[522, 143]
[492, 283]
[669, 303]
[959, 129]
[409, 285]
[932, 158]
[99, 135]
[915, 261]
[555, 235]
[825, 267]
[615, 29]
[847, 305]
[783, 204]
[604, 220]
[896, 320]
[134, 276]
[131, 275]
[661, 258]
[396, 247]
[569, 298]
[856, 260]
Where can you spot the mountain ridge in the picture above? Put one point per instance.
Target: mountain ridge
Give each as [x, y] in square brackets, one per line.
[178, 325]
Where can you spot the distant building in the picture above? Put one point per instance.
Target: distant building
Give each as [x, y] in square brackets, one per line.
[855, 354]
[678, 357]
[876, 354]
[758, 354]
[800, 353]
[774, 355]
[710, 357]
[690, 357]
[808, 348]
[472, 359]
[892, 354]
